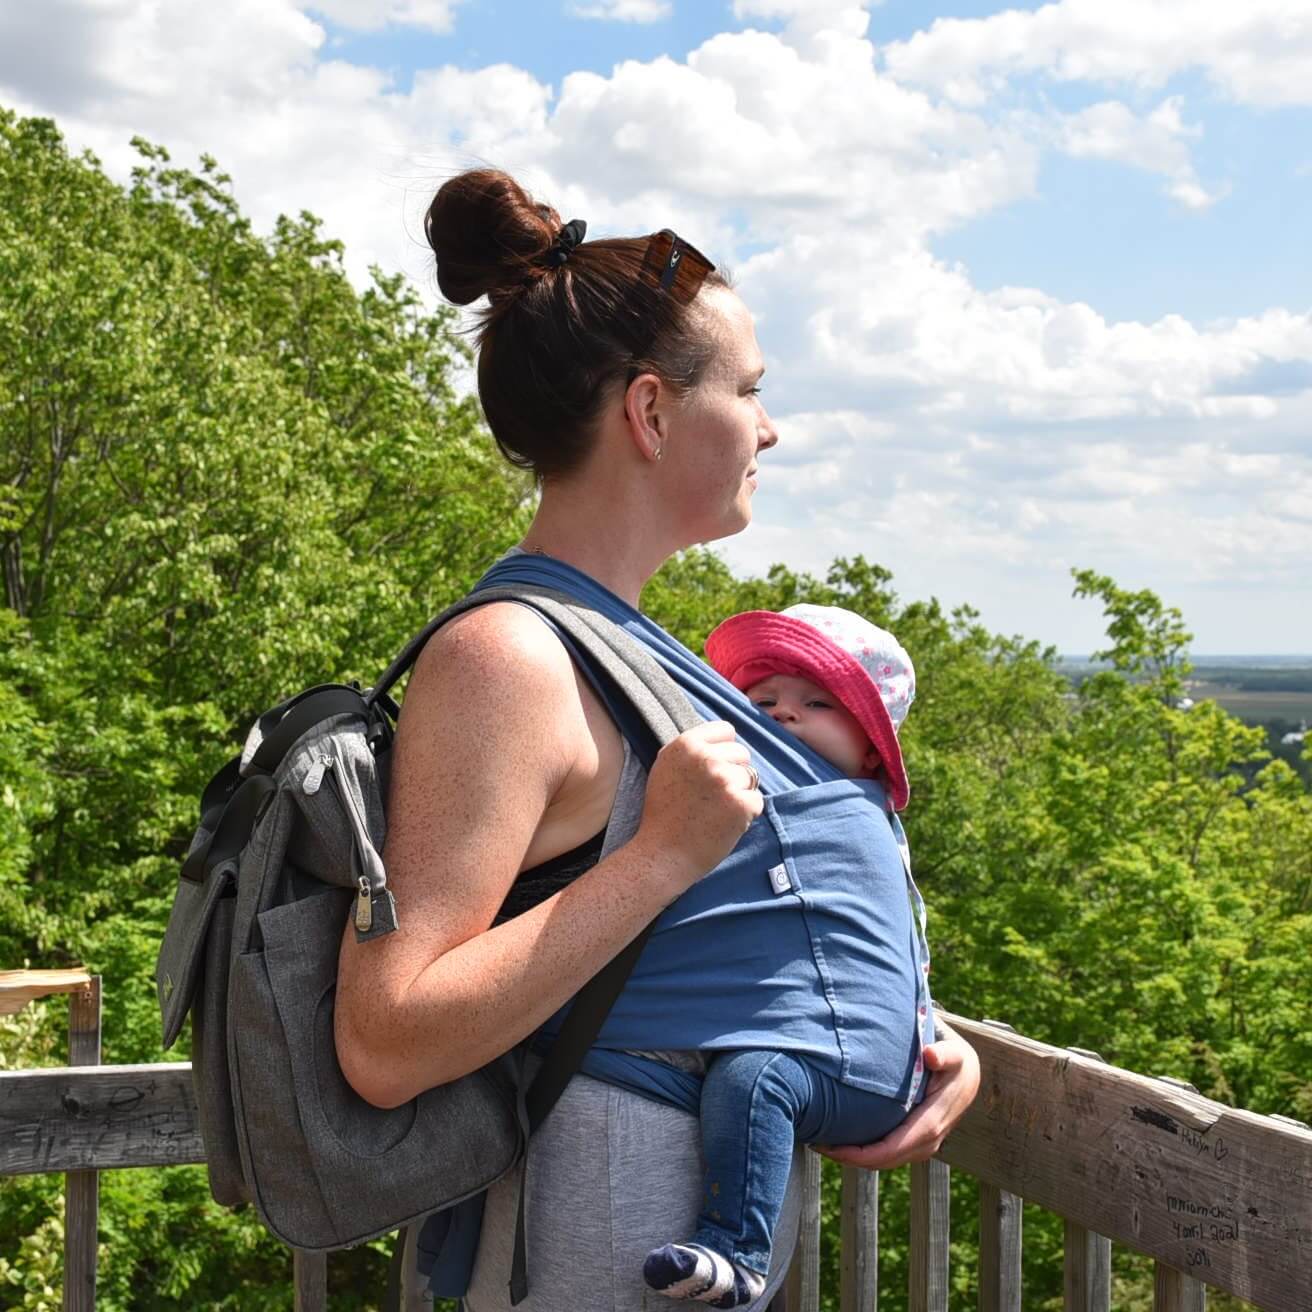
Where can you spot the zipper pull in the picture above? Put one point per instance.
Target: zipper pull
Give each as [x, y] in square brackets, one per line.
[314, 776]
[364, 907]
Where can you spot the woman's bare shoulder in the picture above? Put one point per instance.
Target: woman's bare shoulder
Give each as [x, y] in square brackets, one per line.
[492, 720]
[498, 652]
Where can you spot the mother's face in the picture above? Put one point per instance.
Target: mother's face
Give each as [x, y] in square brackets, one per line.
[718, 429]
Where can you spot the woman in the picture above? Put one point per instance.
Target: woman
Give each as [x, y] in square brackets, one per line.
[626, 374]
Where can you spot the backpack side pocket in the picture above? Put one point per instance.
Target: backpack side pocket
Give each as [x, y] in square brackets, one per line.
[183, 952]
[207, 877]
[210, 1077]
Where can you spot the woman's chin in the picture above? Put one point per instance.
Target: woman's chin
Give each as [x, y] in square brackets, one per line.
[730, 527]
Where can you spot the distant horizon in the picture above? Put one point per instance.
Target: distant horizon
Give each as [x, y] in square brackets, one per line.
[1280, 658]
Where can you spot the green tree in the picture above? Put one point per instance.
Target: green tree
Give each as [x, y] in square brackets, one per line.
[227, 474]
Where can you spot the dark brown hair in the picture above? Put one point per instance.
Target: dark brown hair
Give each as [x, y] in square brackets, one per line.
[555, 336]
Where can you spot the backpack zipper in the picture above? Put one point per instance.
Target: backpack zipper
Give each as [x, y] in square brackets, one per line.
[364, 907]
[325, 767]
[314, 775]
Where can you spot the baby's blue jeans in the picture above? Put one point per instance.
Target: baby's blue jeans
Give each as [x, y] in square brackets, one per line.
[756, 1106]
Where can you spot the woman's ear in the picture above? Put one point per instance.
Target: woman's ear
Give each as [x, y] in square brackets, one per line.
[644, 412]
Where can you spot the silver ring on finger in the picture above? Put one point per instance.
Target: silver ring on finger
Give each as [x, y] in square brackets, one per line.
[755, 781]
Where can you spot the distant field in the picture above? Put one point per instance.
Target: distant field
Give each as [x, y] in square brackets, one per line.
[1255, 707]
[1257, 689]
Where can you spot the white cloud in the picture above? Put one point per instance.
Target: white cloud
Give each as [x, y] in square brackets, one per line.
[977, 442]
[1156, 142]
[1258, 52]
[624, 11]
[372, 15]
[841, 16]
[750, 120]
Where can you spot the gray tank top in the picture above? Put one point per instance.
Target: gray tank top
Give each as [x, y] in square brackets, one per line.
[610, 1175]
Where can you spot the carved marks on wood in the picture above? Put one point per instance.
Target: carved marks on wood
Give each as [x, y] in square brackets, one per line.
[1222, 1195]
[70, 1119]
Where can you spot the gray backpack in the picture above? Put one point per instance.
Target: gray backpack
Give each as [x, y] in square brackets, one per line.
[287, 850]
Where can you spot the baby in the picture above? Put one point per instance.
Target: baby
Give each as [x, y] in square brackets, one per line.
[843, 687]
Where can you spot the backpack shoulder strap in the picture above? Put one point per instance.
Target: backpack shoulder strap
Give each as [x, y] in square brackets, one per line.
[650, 709]
[604, 646]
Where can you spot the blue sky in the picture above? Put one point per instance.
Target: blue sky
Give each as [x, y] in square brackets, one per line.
[1032, 281]
[1104, 233]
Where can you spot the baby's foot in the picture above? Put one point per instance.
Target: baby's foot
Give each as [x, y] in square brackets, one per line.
[693, 1271]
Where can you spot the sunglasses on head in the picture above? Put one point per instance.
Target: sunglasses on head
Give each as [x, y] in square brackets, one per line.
[675, 266]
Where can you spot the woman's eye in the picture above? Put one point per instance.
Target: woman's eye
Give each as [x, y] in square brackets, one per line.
[754, 391]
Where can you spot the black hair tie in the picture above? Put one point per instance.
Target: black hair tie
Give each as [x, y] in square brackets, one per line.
[566, 239]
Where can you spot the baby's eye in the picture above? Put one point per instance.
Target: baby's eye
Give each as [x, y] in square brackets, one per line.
[763, 702]
[820, 704]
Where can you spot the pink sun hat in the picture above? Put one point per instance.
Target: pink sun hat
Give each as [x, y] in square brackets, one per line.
[862, 665]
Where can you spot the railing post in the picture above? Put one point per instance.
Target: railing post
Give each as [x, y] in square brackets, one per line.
[859, 1236]
[999, 1250]
[415, 1295]
[309, 1280]
[1173, 1291]
[1088, 1276]
[802, 1290]
[929, 1236]
[82, 1188]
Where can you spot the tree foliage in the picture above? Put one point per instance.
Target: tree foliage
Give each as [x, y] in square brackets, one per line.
[227, 473]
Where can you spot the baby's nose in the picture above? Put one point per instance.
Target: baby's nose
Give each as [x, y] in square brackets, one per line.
[782, 713]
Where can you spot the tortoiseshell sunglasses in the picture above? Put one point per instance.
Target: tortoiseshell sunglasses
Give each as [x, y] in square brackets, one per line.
[675, 266]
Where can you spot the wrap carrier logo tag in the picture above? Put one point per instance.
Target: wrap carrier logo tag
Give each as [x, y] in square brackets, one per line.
[779, 880]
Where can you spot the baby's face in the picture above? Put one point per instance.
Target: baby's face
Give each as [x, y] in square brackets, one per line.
[822, 722]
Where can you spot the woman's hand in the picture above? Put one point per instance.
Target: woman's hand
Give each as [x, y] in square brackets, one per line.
[702, 795]
[953, 1083]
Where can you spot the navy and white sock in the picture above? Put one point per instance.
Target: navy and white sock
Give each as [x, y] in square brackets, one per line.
[694, 1271]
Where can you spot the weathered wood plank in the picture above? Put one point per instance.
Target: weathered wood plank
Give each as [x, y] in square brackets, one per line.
[802, 1291]
[1174, 1291]
[309, 1281]
[1221, 1194]
[859, 1240]
[19, 987]
[929, 1236]
[1087, 1283]
[82, 1188]
[68, 1118]
[999, 1250]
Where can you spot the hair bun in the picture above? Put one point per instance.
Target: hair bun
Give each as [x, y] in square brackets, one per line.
[487, 233]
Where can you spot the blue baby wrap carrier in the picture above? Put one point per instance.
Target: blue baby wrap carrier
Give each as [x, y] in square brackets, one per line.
[806, 939]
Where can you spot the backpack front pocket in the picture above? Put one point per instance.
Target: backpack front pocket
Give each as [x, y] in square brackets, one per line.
[327, 1167]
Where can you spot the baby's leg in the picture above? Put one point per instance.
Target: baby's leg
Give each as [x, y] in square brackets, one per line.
[754, 1107]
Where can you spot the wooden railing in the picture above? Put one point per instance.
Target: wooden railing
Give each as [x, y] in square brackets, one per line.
[1217, 1197]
